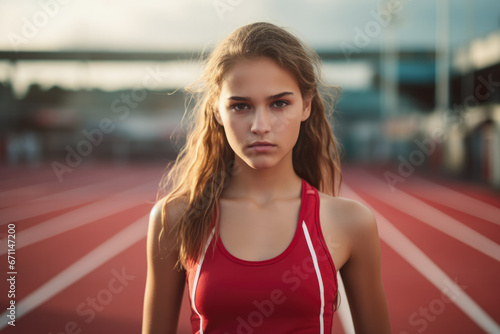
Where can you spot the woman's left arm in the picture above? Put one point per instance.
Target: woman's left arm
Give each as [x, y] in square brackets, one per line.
[361, 274]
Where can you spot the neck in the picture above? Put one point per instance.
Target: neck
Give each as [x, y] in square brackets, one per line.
[263, 185]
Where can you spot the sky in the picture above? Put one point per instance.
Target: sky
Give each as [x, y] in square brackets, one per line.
[155, 25]
[193, 25]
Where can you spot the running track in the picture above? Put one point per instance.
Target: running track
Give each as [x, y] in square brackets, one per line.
[81, 263]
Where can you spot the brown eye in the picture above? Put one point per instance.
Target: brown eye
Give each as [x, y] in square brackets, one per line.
[280, 104]
[239, 106]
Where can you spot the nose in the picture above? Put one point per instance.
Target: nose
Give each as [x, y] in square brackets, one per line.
[261, 121]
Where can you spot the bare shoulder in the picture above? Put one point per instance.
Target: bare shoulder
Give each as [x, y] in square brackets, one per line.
[346, 225]
[347, 213]
[158, 225]
[173, 211]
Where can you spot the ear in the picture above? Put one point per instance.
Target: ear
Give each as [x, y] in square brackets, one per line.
[306, 110]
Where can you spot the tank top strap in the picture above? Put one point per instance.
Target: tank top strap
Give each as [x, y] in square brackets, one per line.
[310, 204]
[310, 190]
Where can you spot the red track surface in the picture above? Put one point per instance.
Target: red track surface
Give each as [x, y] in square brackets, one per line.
[88, 232]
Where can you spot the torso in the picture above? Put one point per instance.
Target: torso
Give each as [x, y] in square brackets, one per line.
[249, 236]
[269, 261]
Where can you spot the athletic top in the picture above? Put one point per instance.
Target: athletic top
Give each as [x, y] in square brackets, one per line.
[291, 293]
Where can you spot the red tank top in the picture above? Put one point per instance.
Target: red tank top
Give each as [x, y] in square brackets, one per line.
[291, 293]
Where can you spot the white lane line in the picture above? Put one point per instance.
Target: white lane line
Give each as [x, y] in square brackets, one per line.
[456, 200]
[33, 176]
[51, 183]
[91, 189]
[46, 203]
[423, 264]
[344, 312]
[430, 215]
[84, 215]
[39, 191]
[59, 201]
[9, 197]
[104, 252]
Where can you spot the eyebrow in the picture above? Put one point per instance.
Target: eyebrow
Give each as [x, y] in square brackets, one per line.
[272, 97]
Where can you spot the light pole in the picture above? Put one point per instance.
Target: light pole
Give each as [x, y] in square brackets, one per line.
[442, 57]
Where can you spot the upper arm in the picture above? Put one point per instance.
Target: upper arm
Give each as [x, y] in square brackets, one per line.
[164, 284]
[361, 274]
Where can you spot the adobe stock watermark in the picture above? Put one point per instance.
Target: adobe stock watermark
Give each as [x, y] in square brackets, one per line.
[223, 6]
[482, 92]
[406, 167]
[32, 26]
[426, 146]
[382, 17]
[121, 107]
[88, 309]
[426, 314]
[292, 278]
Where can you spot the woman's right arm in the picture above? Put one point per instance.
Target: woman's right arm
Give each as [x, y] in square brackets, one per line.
[164, 284]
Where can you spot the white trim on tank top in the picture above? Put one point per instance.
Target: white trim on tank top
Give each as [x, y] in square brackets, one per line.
[318, 274]
[197, 276]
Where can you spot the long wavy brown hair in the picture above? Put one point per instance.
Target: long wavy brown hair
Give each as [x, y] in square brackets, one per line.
[204, 164]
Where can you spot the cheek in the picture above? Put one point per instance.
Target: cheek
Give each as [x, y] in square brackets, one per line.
[235, 130]
[288, 123]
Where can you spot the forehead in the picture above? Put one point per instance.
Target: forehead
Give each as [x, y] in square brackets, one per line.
[255, 77]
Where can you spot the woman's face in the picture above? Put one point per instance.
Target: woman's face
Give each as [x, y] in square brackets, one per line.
[260, 101]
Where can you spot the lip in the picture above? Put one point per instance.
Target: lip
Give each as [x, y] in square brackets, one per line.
[262, 146]
[261, 143]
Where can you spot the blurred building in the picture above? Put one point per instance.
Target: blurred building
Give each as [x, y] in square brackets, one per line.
[463, 141]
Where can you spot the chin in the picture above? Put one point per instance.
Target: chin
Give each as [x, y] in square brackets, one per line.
[260, 163]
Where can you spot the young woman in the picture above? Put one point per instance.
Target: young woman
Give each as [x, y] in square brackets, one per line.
[253, 221]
